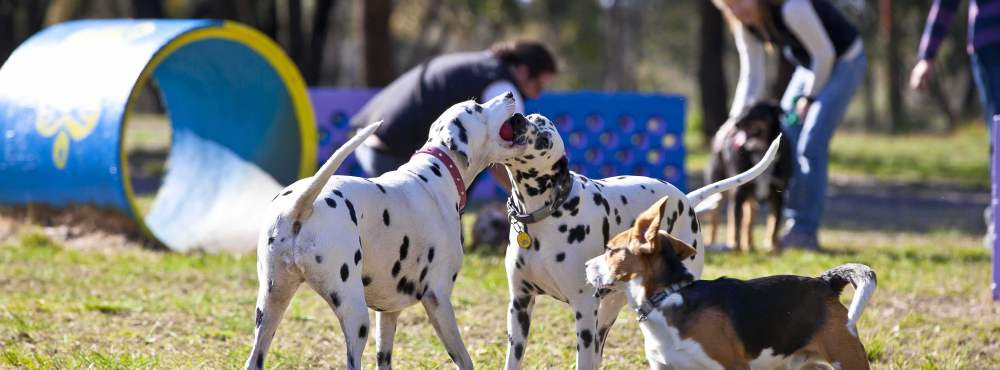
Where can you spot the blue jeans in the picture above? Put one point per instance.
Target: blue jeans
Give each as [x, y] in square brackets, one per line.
[811, 139]
[986, 73]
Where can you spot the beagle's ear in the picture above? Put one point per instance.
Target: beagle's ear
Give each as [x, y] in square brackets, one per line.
[681, 249]
[646, 226]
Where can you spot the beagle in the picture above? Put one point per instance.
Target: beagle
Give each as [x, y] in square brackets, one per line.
[785, 321]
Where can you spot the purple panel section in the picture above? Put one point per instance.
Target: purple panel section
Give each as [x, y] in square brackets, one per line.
[334, 108]
[995, 170]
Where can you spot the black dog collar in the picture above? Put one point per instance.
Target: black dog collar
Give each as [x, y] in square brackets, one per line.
[646, 308]
[559, 195]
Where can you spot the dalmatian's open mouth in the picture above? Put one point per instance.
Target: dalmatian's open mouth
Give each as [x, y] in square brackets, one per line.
[513, 130]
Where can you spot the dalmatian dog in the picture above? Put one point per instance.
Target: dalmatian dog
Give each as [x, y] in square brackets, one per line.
[561, 219]
[385, 243]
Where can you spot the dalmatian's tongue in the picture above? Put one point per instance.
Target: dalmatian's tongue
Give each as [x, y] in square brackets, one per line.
[507, 131]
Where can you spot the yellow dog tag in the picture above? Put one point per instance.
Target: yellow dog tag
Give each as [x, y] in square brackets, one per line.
[523, 239]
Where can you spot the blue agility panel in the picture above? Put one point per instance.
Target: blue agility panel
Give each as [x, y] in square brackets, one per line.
[241, 122]
[334, 109]
[606, 134]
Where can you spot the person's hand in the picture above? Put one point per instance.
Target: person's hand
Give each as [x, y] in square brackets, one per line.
[921, 75]
[802, 107]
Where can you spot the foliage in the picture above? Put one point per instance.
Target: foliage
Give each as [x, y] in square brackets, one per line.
[647, 45]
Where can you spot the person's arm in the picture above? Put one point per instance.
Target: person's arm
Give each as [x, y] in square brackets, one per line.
[938, 22]
[494, 89]
[502, 87]
[753, 78]
[802, 20]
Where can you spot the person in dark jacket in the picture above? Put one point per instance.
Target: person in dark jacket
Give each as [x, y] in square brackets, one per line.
[412, 102]
[830, 58]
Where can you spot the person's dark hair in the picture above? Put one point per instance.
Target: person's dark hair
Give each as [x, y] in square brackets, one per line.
[533, 54]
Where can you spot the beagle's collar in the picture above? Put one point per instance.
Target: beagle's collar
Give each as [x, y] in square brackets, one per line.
[563, 187]
[456, 176]
[654, 302]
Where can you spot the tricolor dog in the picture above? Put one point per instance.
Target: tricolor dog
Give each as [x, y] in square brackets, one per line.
[385, 243]
[737, 145]
[776, 322]
[560, 219]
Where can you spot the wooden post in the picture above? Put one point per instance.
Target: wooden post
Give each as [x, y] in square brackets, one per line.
[995, 169]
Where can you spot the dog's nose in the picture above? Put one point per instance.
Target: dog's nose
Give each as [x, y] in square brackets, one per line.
[510, 95]
[518, 120]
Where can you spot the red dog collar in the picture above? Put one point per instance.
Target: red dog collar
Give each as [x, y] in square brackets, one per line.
[452, 169]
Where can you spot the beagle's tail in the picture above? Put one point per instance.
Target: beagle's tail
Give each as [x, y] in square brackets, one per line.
[302, 209]
[864, 281]
[697, 196]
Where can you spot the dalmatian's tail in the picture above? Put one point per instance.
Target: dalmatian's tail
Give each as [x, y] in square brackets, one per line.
[864, 281]
[302, 209]
[697, 196]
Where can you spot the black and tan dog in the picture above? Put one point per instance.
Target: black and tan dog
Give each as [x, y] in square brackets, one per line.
[737, 146]
[787, 322]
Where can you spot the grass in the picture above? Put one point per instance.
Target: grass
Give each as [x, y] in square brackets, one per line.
[135, 308]
[960, 158]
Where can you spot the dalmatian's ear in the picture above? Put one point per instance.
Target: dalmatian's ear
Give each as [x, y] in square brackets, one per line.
[455, 136]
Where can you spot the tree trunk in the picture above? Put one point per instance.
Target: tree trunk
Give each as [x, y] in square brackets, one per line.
[618, 53]
[8, 41]
[147, 8]
[712, 87]
[871, 112]
[892, 64]
[317, 41]
[379, 69]
[422, 47]
[293, 31]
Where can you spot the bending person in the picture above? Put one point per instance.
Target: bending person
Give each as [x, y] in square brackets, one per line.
[829, 55]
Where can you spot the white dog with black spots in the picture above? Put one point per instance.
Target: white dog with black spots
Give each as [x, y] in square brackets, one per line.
[563, 219]
[385, 243]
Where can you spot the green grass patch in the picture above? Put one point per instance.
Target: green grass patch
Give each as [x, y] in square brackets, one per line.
[65, 308]
[960, 158]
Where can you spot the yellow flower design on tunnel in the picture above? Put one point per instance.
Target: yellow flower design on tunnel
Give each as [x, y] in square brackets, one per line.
[65, 125]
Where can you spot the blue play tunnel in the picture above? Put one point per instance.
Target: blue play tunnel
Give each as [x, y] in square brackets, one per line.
[241, 121]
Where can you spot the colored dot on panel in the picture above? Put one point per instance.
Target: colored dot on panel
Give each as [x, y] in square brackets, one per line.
[669, 172]
[654, 124]
[608, 139]
[623, 155]
[606, 170]
[595, 123]
[668, 141]
[339, 119]
[577, 139]
[653, 157]
[639, 140]
[564, 121]
[626, 123]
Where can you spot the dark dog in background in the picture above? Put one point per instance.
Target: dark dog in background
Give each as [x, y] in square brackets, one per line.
[491, 228]
[737, 146]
